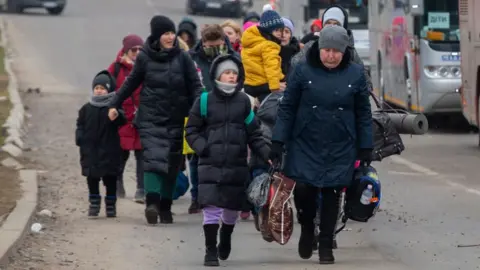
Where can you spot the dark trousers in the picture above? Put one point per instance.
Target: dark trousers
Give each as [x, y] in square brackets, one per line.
[139, 167]
[306, 201]
[109, 181]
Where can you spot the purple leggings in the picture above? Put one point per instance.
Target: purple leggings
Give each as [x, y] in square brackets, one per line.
[213, 214]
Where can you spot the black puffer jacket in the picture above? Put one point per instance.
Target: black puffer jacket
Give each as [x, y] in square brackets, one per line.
[286, 53]
[99, 142]
[170, 85]
[221, 140]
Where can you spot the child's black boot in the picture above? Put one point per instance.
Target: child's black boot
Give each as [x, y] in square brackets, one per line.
[211, 252]
[111, 206]
[225, 245]
[152, 202]
[165, 213]
[95, 204]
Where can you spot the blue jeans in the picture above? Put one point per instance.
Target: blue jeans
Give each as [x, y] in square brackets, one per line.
[193, 162]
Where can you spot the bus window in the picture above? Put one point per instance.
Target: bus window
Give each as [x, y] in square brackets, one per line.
[441, 16]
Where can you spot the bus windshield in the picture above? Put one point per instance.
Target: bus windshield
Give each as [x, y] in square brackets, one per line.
[441, 16]
[357, 11]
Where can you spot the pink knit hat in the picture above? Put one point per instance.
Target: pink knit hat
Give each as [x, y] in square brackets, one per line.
[249, 24]
[131, 41]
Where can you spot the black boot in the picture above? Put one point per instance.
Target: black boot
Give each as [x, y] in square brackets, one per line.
[211, 252]
[225, 245]
[111, 206]
[165, 213]
[120, 189]
[315, 239]
[152, 200]
[305, 247]
[325, 250]
[194, 207]
[95, 204]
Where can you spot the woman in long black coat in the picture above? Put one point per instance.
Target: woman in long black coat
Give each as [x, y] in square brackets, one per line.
[170, 86]
[325, 123]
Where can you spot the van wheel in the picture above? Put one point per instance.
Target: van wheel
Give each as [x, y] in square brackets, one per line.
[56, 10]
[14, 7]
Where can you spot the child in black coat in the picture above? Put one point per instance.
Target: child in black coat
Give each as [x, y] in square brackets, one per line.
[220, 128]
[100, 151]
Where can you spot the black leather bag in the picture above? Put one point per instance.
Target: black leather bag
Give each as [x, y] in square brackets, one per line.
[387, 141]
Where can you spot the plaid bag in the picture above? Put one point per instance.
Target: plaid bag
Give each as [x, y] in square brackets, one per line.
[280, 212]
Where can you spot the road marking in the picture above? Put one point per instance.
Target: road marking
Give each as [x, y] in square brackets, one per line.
[405, 173]
[414, 166]
[426, 171]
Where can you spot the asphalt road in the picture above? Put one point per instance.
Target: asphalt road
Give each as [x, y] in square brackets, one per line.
[431, 192]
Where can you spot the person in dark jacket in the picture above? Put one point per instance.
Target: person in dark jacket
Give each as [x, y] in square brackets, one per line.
[290, 46]
[170, 85]
[99, 142]
[251, 16]
[213, 43]
[325, 124]
[334, 15]
[129, 138]
[187, 31]
[221, 137]
[315, 27]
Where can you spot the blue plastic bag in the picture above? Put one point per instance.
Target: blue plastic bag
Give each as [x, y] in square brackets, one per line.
[182, 186]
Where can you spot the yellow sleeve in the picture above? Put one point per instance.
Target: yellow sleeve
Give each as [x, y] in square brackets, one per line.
[272, 64]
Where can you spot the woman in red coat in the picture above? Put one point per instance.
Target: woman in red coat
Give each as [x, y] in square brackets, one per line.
[129, 138]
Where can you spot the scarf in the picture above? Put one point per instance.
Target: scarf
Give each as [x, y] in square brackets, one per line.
[102, 101]
[227, 88]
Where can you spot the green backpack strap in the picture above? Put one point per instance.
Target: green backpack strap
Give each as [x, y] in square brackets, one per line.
[203, 104]
[249, 118]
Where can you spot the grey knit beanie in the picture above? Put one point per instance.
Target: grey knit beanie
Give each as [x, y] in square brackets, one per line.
[333, 37]
[224, 66]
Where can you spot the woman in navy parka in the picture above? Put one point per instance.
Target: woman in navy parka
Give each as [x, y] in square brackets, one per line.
[324, 123]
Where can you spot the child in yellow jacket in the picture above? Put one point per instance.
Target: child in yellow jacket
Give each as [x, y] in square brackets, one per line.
[260, 56]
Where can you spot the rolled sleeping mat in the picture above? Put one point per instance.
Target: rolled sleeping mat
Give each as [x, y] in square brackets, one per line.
[406, 123]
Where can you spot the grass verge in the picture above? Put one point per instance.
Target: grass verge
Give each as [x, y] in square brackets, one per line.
[9, 184]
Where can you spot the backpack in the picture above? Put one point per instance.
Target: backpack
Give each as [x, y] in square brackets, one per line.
[203, 109]
[354, 208]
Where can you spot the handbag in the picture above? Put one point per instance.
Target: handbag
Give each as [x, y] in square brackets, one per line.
[280, 212]
[386, 139]
[257, 191]
[187, 150]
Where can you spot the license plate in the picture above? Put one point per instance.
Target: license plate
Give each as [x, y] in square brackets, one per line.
[214, 5]
[50, 4]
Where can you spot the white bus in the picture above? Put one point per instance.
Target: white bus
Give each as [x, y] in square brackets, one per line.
[415, 54]
[470, 48]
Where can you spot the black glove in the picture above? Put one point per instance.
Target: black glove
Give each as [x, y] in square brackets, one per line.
[276, 152]
[365, 156]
